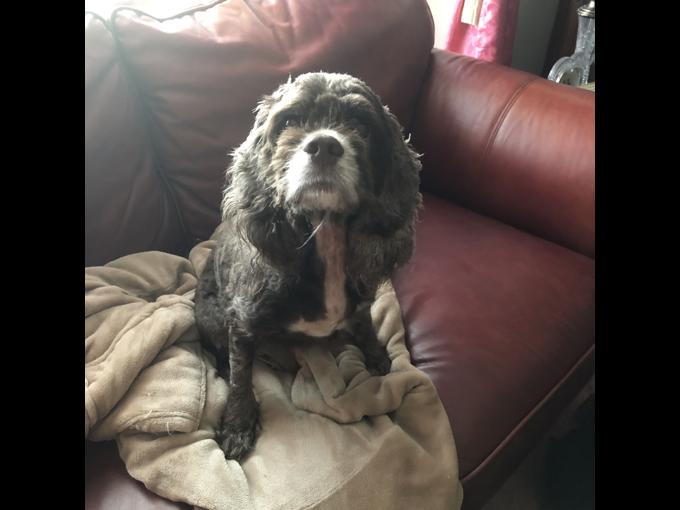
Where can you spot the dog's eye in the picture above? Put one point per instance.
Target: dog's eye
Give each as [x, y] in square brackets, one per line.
[285, 122]
[292, 121]
[362, 129]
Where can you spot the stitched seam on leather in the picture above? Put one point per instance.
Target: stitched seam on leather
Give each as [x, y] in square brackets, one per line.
[504, 113]
[147, 118]
[426, 4]
[189, 10]
[188, 239]
[419, 97]
[426, 75]
[267, 23]
[100, 18]
[119, 57]
[147, 121]
[508, 438]
[103, 74]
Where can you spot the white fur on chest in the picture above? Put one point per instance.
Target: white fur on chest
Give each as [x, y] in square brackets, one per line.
[330, 244]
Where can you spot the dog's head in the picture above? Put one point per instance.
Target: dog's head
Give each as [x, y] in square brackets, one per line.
[324, 143]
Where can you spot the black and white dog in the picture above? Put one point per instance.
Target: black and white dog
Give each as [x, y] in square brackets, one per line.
[319, 210]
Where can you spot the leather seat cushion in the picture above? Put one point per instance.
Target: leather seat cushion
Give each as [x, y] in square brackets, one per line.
[496, 317]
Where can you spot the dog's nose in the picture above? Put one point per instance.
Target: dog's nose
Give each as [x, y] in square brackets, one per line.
[324, 149]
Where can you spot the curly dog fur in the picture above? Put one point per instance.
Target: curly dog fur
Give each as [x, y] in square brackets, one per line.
[319, 209]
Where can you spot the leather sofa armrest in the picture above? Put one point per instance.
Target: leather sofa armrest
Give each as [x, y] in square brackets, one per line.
[510, 145]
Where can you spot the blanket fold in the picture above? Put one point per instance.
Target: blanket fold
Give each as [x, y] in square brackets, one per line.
[333, 436]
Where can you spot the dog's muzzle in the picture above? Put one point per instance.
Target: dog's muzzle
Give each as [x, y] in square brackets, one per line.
[322, 175]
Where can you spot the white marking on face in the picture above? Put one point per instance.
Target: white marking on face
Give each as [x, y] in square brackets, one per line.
[345, 176]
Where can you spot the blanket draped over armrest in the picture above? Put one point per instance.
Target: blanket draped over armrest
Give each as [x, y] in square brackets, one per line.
[332, 435]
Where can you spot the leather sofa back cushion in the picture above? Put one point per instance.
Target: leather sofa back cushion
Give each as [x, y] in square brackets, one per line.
[200, 74]
[127, 208]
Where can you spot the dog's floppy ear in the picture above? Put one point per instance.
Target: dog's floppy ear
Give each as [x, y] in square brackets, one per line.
[248, 200]
[381, 235]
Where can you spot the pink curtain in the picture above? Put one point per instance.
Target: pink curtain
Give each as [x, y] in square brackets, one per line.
[493, 38]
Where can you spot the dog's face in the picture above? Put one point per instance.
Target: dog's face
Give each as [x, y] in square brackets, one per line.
[319, 134]
[324, 143]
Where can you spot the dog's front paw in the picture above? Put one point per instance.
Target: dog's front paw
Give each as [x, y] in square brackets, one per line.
[238, 432]
[238, 443]
[378, 362]
[384, 366]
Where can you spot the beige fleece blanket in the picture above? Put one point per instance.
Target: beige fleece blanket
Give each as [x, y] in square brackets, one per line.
[333, 436]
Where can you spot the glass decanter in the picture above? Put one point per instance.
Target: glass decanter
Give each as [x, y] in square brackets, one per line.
[574, 70]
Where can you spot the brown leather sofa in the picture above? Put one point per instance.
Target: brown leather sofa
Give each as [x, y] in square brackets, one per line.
[498, 300]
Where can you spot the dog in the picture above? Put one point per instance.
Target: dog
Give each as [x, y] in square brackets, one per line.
[319, 210]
